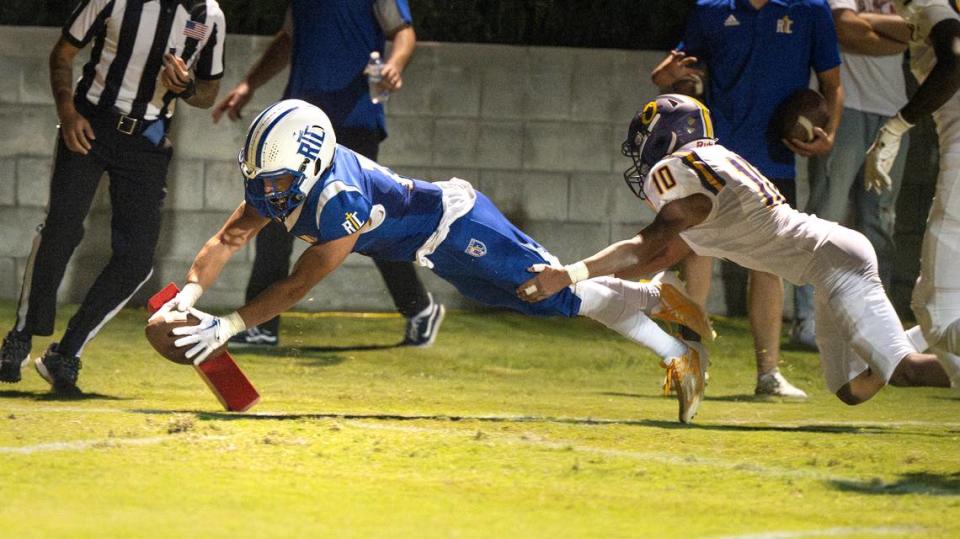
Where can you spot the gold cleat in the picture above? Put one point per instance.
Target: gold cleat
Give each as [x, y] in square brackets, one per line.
[685, 375]
[677, 307]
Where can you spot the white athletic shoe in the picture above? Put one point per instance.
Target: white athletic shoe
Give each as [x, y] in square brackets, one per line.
[775, 385]
[255, 336]
[422, 328]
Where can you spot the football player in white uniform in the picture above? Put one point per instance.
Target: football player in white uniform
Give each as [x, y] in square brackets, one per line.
[710, 201]
[934, 30]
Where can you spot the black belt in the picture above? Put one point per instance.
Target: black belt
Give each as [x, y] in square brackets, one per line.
[128, 125]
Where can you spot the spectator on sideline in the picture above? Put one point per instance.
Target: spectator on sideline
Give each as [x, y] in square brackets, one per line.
[757, 53]
[934, 29]
[115, 120]
[874, 90]
[327, 44]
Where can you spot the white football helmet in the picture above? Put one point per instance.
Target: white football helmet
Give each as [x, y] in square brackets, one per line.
[290, 137]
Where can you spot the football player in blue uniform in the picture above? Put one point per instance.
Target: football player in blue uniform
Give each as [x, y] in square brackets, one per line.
[341, 202]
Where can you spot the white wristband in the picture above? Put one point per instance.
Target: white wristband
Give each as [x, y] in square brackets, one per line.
[188, 296]
[577, 272]
[232, 324]
[897, 125]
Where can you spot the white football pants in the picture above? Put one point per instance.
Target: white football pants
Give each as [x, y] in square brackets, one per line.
[936, 297]
[857, 326]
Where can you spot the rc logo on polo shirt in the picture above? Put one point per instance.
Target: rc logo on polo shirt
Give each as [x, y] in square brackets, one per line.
[731, 21]
[785, 25]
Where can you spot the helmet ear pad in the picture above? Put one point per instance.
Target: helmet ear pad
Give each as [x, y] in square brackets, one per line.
[657, 145]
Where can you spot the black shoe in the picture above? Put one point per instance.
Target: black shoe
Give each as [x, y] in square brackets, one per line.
[255, 336]
[423, 327]
[13, 355]
[60, 370]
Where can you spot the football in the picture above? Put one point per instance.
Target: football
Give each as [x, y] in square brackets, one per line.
[159, 334]
[796, 117]
[693, 85]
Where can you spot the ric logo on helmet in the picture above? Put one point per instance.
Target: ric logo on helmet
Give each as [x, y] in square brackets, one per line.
[661, 127]
[288, 148]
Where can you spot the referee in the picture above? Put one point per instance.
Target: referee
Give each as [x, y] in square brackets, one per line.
[146, 54]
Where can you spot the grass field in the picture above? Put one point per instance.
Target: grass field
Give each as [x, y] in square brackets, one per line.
[507, 427]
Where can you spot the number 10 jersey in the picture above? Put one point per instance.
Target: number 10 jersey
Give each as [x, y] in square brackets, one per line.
[750, 223]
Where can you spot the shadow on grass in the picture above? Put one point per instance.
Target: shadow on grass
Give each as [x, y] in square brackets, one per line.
[280, 416]
[814, 429]
[909, 483]
[750, 397]
[819, 429]
[589, 421]
[348, 348]
[317, 359]
[51, 396]
[586, 421]
[794, 347]
[747, 397]
[319, 355]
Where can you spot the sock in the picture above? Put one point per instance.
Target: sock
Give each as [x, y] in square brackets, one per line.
[619, 305]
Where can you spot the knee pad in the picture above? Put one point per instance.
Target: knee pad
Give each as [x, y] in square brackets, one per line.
[600, 300]
[610, 297]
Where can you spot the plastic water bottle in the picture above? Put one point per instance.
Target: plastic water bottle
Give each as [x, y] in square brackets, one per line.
[378, 94]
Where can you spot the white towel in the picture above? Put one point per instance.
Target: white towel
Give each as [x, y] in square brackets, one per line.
[458, 199]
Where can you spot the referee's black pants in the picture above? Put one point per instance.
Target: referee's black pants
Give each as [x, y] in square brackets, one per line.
[137, 170]
[275, 245]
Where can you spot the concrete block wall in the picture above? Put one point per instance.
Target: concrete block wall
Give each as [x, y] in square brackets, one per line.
[536, 129]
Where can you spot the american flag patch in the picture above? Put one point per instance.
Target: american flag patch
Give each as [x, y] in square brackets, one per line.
[195, 30]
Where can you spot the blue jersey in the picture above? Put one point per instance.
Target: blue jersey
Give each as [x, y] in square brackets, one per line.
[481, 253]
[332, 42]
[755, 60]
[399, 213]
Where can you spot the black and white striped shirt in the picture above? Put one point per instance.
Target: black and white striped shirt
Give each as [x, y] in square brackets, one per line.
[130, 38]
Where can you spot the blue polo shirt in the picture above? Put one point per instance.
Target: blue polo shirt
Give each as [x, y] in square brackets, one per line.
[332, 42]
[756, 59]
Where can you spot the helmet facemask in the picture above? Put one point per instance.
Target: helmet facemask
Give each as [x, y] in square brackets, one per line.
[271, 193]
[289, 147]
[645, 147]
[634, 175]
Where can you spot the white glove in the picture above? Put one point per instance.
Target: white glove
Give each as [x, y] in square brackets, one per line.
[211, 333]
[182, 302]
[882, 153]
